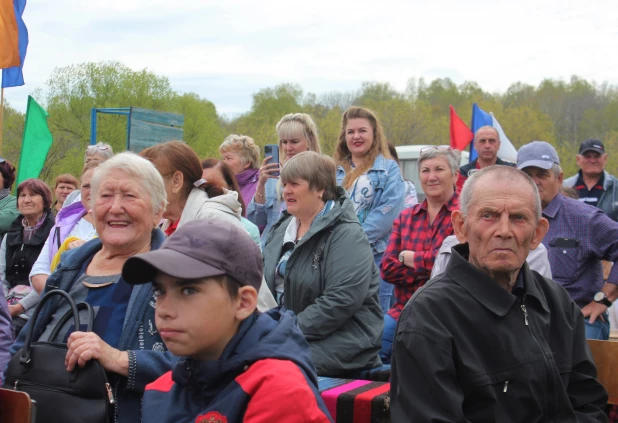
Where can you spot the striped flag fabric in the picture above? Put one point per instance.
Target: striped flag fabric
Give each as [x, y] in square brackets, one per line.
[13, 32]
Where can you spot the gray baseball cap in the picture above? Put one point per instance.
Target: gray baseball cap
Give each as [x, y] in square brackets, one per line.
[200, 249]
[538, 154]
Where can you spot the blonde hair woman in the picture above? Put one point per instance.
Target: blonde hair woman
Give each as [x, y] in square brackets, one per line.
[373, 181]
[297, 133]
[242, 155]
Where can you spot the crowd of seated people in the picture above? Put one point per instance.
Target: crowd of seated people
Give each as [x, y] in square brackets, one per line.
[233, 278]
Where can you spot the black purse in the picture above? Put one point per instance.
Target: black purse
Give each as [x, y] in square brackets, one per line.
[83, 395]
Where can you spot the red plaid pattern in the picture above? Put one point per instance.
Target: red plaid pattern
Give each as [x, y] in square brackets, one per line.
[412, 232]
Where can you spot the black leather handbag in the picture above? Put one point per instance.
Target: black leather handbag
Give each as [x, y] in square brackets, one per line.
[83, 395]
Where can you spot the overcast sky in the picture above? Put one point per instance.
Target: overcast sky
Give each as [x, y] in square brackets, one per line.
[226, 50]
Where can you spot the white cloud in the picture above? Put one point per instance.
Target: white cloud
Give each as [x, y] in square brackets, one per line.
[225, 51]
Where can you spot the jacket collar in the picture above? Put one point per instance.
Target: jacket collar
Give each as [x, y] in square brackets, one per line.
[484, 289]
[499, 161]
[450, 205]
[75, 210]
[15, 233]
[378, 164]
[553, 207]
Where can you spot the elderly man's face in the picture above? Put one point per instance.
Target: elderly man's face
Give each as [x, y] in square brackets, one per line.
[546, 182]
[591, 162]
[501, 226]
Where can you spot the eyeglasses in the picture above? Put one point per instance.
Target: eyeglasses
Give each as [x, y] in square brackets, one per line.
[430, 148]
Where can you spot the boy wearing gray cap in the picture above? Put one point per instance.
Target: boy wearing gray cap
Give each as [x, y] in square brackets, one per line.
[236, 364]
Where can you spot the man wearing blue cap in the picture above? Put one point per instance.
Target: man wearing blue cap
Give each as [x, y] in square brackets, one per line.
[594, 185]
[579, 237]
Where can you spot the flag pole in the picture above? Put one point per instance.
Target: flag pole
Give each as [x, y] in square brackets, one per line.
[1, 116]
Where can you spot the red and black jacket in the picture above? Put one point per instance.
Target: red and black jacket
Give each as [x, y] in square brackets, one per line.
[264, 375]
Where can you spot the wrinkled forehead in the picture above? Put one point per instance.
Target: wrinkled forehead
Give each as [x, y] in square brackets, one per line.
[501, 193]
[120, 181]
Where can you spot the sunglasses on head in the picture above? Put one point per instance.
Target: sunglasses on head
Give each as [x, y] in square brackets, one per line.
[428, 149]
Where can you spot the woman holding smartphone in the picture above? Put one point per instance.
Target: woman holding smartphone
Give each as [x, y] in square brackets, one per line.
[373, 181]
[297, 133]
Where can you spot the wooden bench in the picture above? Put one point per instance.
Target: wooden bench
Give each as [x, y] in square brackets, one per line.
[356, 401]
[15, 407]
[605, 354]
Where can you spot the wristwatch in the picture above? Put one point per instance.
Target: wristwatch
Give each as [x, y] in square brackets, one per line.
[601, 298]
[402, 256]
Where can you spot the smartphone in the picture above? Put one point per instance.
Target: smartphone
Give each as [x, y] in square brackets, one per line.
[272, 150]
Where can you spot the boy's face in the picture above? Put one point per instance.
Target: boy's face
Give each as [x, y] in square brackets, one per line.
[196, 318]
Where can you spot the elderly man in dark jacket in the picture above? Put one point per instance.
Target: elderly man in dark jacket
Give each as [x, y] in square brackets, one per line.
[490, 340]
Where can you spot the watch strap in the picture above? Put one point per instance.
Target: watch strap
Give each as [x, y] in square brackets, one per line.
[605, 302]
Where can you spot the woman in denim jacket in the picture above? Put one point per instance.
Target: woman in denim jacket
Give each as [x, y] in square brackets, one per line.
[297, 132]
[373, 181]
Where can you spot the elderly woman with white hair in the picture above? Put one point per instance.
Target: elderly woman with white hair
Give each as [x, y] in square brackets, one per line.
[242, 155]
[418, 233]
[128, 198]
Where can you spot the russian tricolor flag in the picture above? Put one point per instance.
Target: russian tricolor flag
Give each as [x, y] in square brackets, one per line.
[481, 118]
[13, 42]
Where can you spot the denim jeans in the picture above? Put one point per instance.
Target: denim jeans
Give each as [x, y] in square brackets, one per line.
[386, 297]
[599, 329]
[388, 336]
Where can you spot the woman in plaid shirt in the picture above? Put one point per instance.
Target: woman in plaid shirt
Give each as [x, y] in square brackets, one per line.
[418, 233]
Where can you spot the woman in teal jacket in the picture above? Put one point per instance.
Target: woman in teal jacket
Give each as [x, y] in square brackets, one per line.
[318, 263]
[373, 181]
[8, 203]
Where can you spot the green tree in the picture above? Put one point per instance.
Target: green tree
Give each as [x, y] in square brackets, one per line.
[12, 133]
[203, 129]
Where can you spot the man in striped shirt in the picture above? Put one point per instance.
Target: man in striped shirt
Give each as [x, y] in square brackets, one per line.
[579, 237]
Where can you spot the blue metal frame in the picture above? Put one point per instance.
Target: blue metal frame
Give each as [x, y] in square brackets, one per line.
[110, 111]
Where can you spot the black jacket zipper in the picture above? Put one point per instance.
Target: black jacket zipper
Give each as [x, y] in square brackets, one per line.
[547, 363]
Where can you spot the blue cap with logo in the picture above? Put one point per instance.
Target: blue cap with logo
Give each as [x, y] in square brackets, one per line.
[538, 154]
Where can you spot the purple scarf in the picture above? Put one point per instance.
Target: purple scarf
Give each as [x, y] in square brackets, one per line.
[29, 231]
[247, 181]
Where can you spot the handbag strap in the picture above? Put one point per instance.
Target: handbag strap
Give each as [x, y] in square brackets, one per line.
[69, 314]
[25, 355]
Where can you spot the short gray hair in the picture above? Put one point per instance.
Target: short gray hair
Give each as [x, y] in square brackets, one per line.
[556, 169]
[317, 169]
[244, 146]
[100, 149]
[497, 172]
[137, 167]
[488, 127]
[451, 156]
